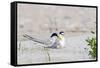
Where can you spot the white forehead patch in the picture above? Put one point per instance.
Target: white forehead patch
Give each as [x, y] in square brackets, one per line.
[62, 33]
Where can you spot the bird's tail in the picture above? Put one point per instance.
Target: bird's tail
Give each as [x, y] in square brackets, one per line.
[36, 40]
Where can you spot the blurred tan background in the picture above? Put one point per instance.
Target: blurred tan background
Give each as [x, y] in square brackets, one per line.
[42, 20]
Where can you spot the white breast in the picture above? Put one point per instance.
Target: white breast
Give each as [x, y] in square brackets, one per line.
[62, 42]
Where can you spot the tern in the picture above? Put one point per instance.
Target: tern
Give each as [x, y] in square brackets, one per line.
[55, 41]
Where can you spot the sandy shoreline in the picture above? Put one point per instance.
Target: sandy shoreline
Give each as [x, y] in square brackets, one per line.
[76, 49]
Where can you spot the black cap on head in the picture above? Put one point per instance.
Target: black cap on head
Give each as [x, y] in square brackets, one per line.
[61, 32]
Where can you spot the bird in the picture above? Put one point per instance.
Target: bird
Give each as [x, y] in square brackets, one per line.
[58, 40]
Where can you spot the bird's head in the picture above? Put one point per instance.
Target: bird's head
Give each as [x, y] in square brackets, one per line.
[61, 33]
[61, 37]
